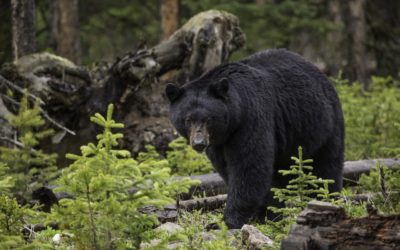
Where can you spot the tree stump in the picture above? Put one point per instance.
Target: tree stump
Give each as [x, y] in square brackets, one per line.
[71, 93]
[325, 226]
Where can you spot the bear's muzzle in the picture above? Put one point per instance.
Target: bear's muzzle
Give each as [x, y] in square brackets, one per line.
[199, 137]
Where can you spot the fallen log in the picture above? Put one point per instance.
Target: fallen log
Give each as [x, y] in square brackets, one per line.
[171, 212]
[204, 42]
[354, 169]
[325, 226]
[70, 93]
[212, 184]
[205, 204]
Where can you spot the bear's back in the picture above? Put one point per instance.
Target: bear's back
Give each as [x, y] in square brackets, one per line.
[280, 60]
[307, 106]
[290, 73]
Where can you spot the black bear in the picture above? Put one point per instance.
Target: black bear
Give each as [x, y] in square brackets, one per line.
[250, 117]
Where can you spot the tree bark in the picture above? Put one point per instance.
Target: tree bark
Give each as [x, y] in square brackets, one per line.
[334, 55]
[65, 29]
[325, 226]
[71, 94]
[357, 31]
[212, 184]
[169, 18]
[23, 30]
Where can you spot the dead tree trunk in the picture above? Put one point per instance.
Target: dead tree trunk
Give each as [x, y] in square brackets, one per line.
[65, 29]
[23, 27]
[132, 83]
[325, 226]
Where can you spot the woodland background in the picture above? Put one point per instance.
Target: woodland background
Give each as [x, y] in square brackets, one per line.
[359, 37]
[110, 45]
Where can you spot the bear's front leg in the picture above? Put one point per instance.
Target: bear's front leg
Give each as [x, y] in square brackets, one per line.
[249, 184]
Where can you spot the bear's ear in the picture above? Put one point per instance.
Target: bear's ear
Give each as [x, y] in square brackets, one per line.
[220, 88]
[173, 91]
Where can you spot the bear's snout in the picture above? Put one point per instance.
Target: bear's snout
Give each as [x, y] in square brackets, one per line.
[199, 137]
[199, 144]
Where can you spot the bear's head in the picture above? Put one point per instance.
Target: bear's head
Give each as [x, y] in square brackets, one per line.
[200, 111]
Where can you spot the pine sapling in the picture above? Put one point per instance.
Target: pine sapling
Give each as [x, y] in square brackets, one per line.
[302, 188]
[109, 188]
[29, 166]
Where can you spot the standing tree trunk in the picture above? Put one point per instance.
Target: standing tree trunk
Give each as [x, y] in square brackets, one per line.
[357, 31]
[334, 39]
[71, 94]
[65, 29]
[23, 27]
[169, 17]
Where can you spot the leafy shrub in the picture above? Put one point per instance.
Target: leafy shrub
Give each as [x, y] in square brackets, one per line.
[109, 187]
[372, 118]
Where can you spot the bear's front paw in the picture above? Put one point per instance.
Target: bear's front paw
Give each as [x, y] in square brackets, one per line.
[234, 224]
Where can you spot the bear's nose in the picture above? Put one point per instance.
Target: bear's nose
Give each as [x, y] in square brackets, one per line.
[199, 144]
[199, 147]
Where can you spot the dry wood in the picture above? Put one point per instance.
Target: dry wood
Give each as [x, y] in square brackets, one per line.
[354, 169]
[325, 226]
[204, 42]
[19, 89]
[71, 94]
[212, 184]
[205, 204]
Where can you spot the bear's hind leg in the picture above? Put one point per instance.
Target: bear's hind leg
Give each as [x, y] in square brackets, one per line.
[328, 163]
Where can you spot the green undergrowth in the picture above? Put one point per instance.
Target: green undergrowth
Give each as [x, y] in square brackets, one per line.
[372, 118]
[181, 158]
[25, 163]
[109, 188]
[105, 215]
[303, 187]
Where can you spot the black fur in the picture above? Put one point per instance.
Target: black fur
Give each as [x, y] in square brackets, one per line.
[257, 112]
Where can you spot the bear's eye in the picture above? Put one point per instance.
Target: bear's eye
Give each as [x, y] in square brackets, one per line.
[187, 120]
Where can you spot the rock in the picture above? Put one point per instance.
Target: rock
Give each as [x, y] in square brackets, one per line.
[170, 227]
[254, 239]
[155, 244]
[207, 236]
[321, 214]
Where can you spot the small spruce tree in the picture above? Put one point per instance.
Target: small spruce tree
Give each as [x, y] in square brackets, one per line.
[6, 182]
[29, 166]
[109, 188]
[302, 188]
